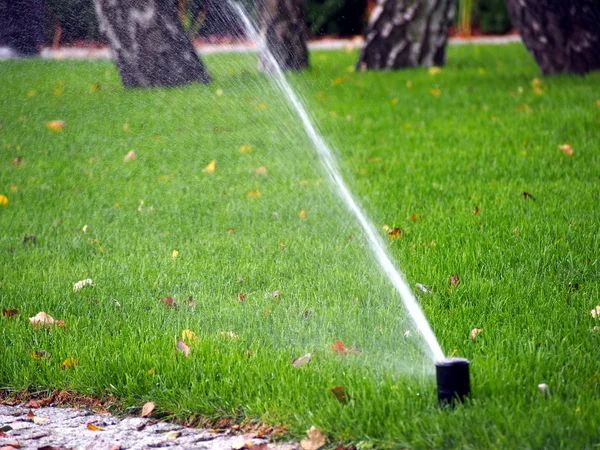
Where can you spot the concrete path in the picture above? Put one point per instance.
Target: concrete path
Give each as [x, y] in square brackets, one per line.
[206, 49]
[68, 428]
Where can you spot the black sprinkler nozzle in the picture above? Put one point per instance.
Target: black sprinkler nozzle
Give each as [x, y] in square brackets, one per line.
[453, 381]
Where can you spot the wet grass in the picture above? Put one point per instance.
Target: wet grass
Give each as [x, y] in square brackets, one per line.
[446, 157]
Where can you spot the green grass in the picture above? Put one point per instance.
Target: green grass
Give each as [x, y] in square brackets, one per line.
[486, 139]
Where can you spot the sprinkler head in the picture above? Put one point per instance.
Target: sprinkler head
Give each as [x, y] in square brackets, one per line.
[453, 383]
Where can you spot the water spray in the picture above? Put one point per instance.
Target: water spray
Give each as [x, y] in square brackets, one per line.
[452, 373]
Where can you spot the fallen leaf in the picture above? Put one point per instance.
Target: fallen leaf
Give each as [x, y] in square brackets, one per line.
[255, 193]
[189, 336]
[566, 148]
[55, 125]
[476, 211]
[60, 323]
[316, 439]
[183, 347]
[80, 284]
[276, 294]
[595, 313]
[3, 200]
[245, 148]
[169, 301]
[241, 296]
[340, 394]
[70, 363]
[228, 335]
[115, 447]
[38, 419]
[261, 170]
[16, 161]
[174, 254]
[395, 233]
[41, 318]
[454, 280]
[130, 156]
[173, 434]
[9, 312]
[340, 347]
[148, 408]
[475, 332]
[434, 70]
[527, 196]
[219, 92]
[95, 86]
[210, 168]
[41, 354]
[543, 387]
[302, 214]
[30, 414]
[91, 426]
[436, 92]
[302, 360]
[425, 288]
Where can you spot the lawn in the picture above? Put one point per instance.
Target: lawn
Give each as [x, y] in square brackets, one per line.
[266, 265]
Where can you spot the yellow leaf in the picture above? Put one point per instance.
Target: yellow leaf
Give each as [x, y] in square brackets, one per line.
[255, 193]
[13, 188]
[434, 70]
[189, 336]
[316, 439]
[151, 371]
[55, 125]
[148, 408]
[261, 106]
[219, 92]
[91, 426]
[31, 93]
[246, 148]
[95, 86]
[261, 170]
[395, 101]
[211, 167]
[125, 126]
[302, 214]
[409, 84]
[70, 363]
[174, 254]
[435, 92]
[3, 200]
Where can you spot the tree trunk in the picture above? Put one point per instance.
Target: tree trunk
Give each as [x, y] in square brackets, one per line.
[563, 36]
[283, 31]
[149, 44]
[22, 26]
[406, 33]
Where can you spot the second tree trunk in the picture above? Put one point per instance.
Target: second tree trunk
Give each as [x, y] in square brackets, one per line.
[406, 33]
[283, 31]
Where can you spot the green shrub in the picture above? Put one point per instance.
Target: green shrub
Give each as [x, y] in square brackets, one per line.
[493, 16]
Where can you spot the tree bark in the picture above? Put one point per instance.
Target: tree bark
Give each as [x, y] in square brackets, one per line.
[283, 31]
[22, 26]
[563, 36]
[406, 33]
[149, 44]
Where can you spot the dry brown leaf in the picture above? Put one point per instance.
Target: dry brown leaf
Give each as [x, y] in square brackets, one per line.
[302, 360]
[41, 318]
[316, 439]
[340, 394]
[454, 280]
[9, 312]
[148, 408]
[91, 426]
[169, 301]
[340, 347]
[476, 211]
[395, 233]
[183, 347]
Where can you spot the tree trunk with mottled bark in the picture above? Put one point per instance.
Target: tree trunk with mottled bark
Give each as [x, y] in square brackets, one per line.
[22, 26]
[148, 43]
[563, 36]
[406, 33]
[283, 31]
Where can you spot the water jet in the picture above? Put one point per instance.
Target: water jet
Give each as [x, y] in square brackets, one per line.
[453, 380]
